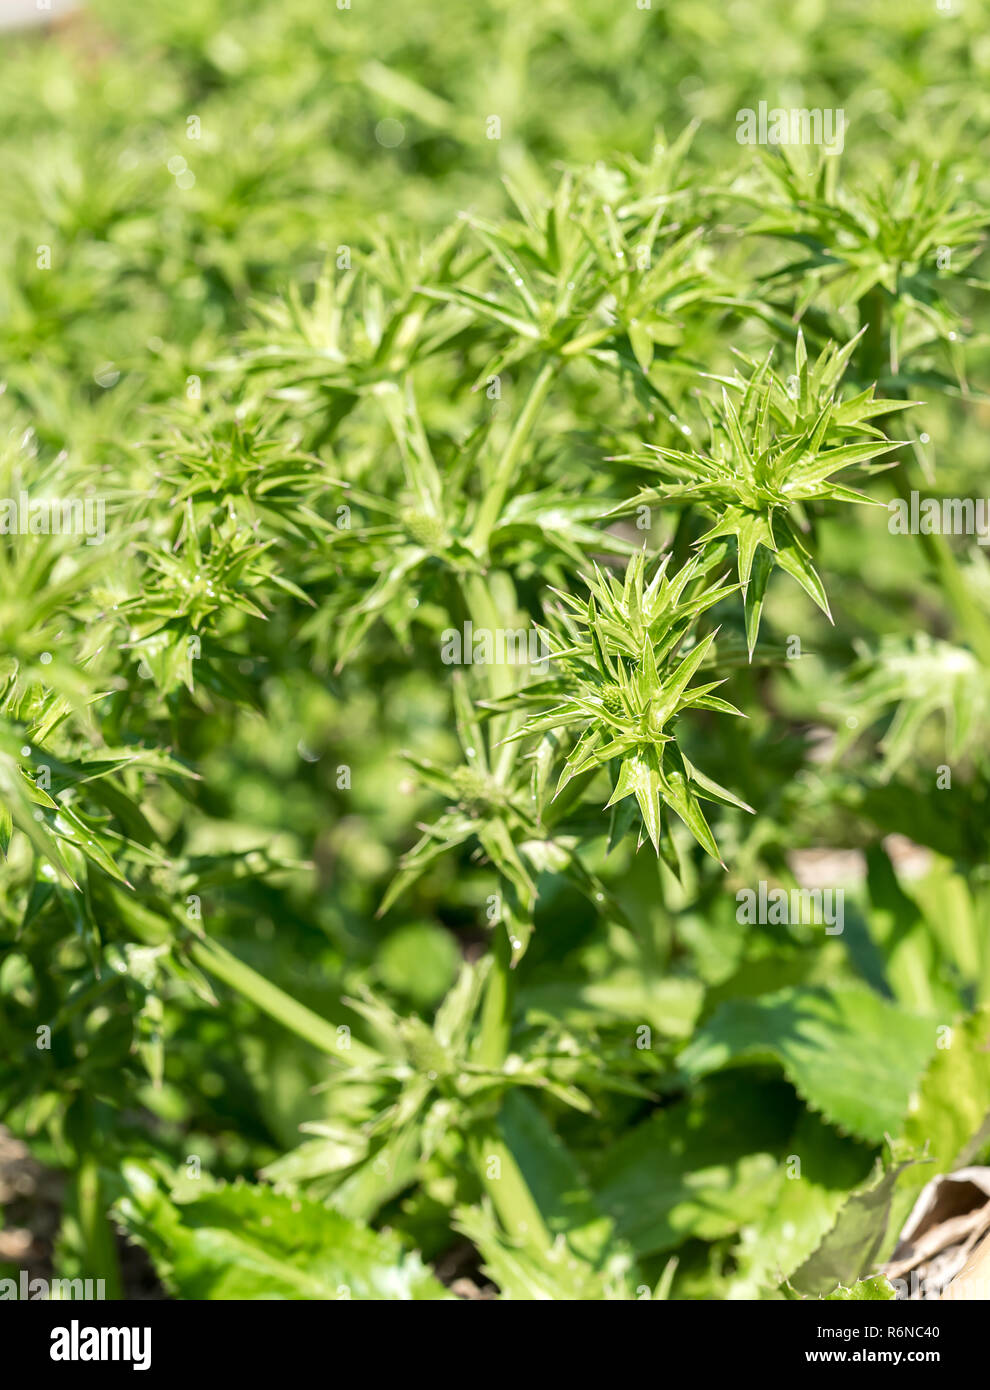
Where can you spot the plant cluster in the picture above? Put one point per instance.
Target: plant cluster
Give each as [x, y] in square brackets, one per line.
[376, 793]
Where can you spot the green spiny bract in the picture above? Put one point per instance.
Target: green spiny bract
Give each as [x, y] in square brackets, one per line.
[768, 461]
[632, 655]
[327, 428]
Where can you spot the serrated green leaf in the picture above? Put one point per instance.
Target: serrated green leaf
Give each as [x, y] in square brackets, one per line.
[853, 1057]
[241, 1242]
[700, 1169]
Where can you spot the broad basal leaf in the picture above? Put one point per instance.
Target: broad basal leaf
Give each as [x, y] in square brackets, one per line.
[949, 1115]
[851, 1055]
[821, 1169]
[240, 1242]
[864, 1233]
[702, 1168]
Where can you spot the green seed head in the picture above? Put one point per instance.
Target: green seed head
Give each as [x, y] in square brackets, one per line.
[474, 787]
[425, 530]
[611, 698]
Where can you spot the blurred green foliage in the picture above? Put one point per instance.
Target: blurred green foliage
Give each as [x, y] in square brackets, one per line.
[260, 264]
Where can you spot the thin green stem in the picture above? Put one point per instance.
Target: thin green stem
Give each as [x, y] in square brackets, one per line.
[277, 1004]
[98, 1246]
[496, 1022]
[505, 471]
[507, 1187]
[496, 1013]
[493, 1161]
[99, 1249]
[485, 613]
[969, 620]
